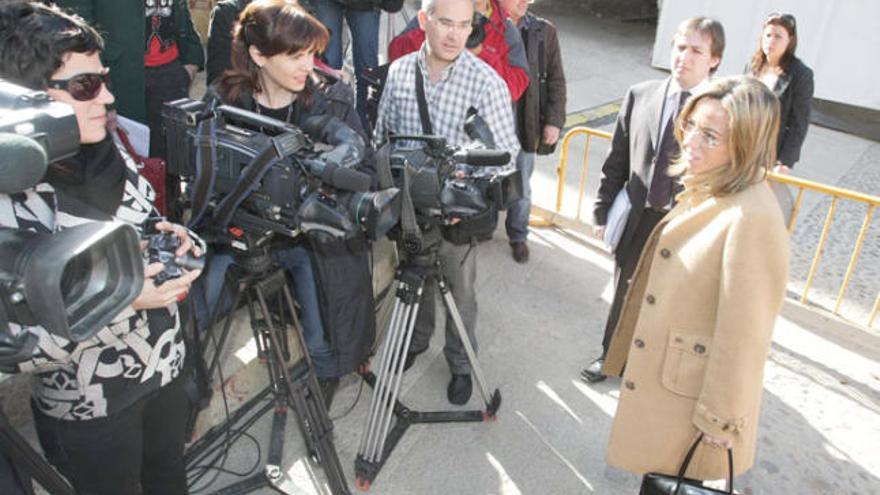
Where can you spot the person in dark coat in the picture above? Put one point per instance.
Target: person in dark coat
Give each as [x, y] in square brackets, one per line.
[539, 113]
[790, 79]
[642, 147]
[124, 28]
[219, 46]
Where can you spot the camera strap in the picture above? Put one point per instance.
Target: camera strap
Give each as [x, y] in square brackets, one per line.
[248, 182]
[206, 157]
[427, 128]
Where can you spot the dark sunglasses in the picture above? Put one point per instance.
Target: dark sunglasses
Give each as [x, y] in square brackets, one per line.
[786, 19]
[82, 87]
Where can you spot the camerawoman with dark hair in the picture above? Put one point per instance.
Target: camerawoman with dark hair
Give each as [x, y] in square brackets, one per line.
[454, 81]
[273, 50]
[110, 411]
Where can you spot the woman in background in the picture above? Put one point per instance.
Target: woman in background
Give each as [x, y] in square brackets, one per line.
[775, 64]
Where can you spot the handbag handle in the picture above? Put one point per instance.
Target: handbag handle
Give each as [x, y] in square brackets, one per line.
[687, 461]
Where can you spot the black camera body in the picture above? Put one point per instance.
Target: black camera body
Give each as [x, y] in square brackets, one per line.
[463, 205]
[265, 175]
[161, 248]
[35, 115]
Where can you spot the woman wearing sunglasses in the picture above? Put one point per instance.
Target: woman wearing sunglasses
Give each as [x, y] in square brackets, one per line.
[696, 323]
[790, 80]
[111, 411]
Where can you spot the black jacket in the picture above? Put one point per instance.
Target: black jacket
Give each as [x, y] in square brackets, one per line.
[223, 19]
[795, 92]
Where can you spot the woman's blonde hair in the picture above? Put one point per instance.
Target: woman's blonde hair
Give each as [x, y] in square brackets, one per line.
[753, 118]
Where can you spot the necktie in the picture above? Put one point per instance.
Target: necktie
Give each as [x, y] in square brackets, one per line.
[661, 192]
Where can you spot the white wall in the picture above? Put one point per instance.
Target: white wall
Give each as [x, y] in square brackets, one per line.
[838, 39]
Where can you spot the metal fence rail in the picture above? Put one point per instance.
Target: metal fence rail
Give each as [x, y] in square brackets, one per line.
[836, 194]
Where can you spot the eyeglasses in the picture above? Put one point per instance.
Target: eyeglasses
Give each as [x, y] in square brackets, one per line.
[449, 26]
[82, 87]
[688, 127]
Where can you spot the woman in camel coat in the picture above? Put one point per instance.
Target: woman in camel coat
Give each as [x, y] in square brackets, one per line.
[697, 321]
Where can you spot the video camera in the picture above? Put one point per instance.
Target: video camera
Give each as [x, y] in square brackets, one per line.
[464, 203]
[264, 175]
[73, 282]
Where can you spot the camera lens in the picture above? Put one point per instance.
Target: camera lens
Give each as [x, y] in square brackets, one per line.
[84, 279]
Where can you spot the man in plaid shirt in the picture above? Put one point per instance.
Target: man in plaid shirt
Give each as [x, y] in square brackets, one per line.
[454, 80]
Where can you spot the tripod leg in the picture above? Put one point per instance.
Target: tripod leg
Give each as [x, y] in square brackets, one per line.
[18, 449]
[312, 415]
[397, 378]
[227, 325]
[384, 364]
[452, 309]
[390, 374]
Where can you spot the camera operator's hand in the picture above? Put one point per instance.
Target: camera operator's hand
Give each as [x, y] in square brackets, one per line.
[153, 297]
[186, 244]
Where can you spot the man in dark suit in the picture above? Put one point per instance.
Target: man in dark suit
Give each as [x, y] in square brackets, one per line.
[642, 147]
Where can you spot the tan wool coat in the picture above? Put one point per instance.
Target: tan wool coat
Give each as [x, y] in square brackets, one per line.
[694, 334]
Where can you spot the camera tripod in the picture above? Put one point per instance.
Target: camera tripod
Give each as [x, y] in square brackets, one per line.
[260, 282]
[379, 437]
[29, 463]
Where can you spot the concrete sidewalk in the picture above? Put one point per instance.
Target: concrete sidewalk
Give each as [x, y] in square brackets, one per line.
[538, 325]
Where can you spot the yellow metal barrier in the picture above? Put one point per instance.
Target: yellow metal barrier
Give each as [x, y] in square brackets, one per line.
[803, 185]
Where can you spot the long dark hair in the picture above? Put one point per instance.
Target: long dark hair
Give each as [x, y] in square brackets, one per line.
[787, 22]
[273, 27]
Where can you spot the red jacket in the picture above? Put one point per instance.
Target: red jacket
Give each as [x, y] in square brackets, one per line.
[502, 49]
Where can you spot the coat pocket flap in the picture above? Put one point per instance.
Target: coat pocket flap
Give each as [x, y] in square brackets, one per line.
[697, 345]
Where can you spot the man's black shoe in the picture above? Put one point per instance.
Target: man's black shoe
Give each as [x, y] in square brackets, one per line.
[459, 390]
[520, 252]
[328, 389]
[593, 372]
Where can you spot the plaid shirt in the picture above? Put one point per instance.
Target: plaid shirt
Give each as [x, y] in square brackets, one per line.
[467, 82]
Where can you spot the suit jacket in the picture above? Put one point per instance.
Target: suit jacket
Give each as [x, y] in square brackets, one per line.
[694, 333]
[630, 161]
[795, 92]
[123, 25]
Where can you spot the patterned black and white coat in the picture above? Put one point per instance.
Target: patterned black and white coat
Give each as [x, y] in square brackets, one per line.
[137, 353]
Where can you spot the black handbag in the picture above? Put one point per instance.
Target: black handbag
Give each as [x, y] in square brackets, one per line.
[663, 484]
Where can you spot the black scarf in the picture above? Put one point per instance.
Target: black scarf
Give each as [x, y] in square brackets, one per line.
[91, 183]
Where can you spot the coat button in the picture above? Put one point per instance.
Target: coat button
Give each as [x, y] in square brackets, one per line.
[650, 299]
[699, 348]
[639, 343]
[665, 253]
[629, 385]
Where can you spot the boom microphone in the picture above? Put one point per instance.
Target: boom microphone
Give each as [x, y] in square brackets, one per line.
[482, 158]
[23, 163]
